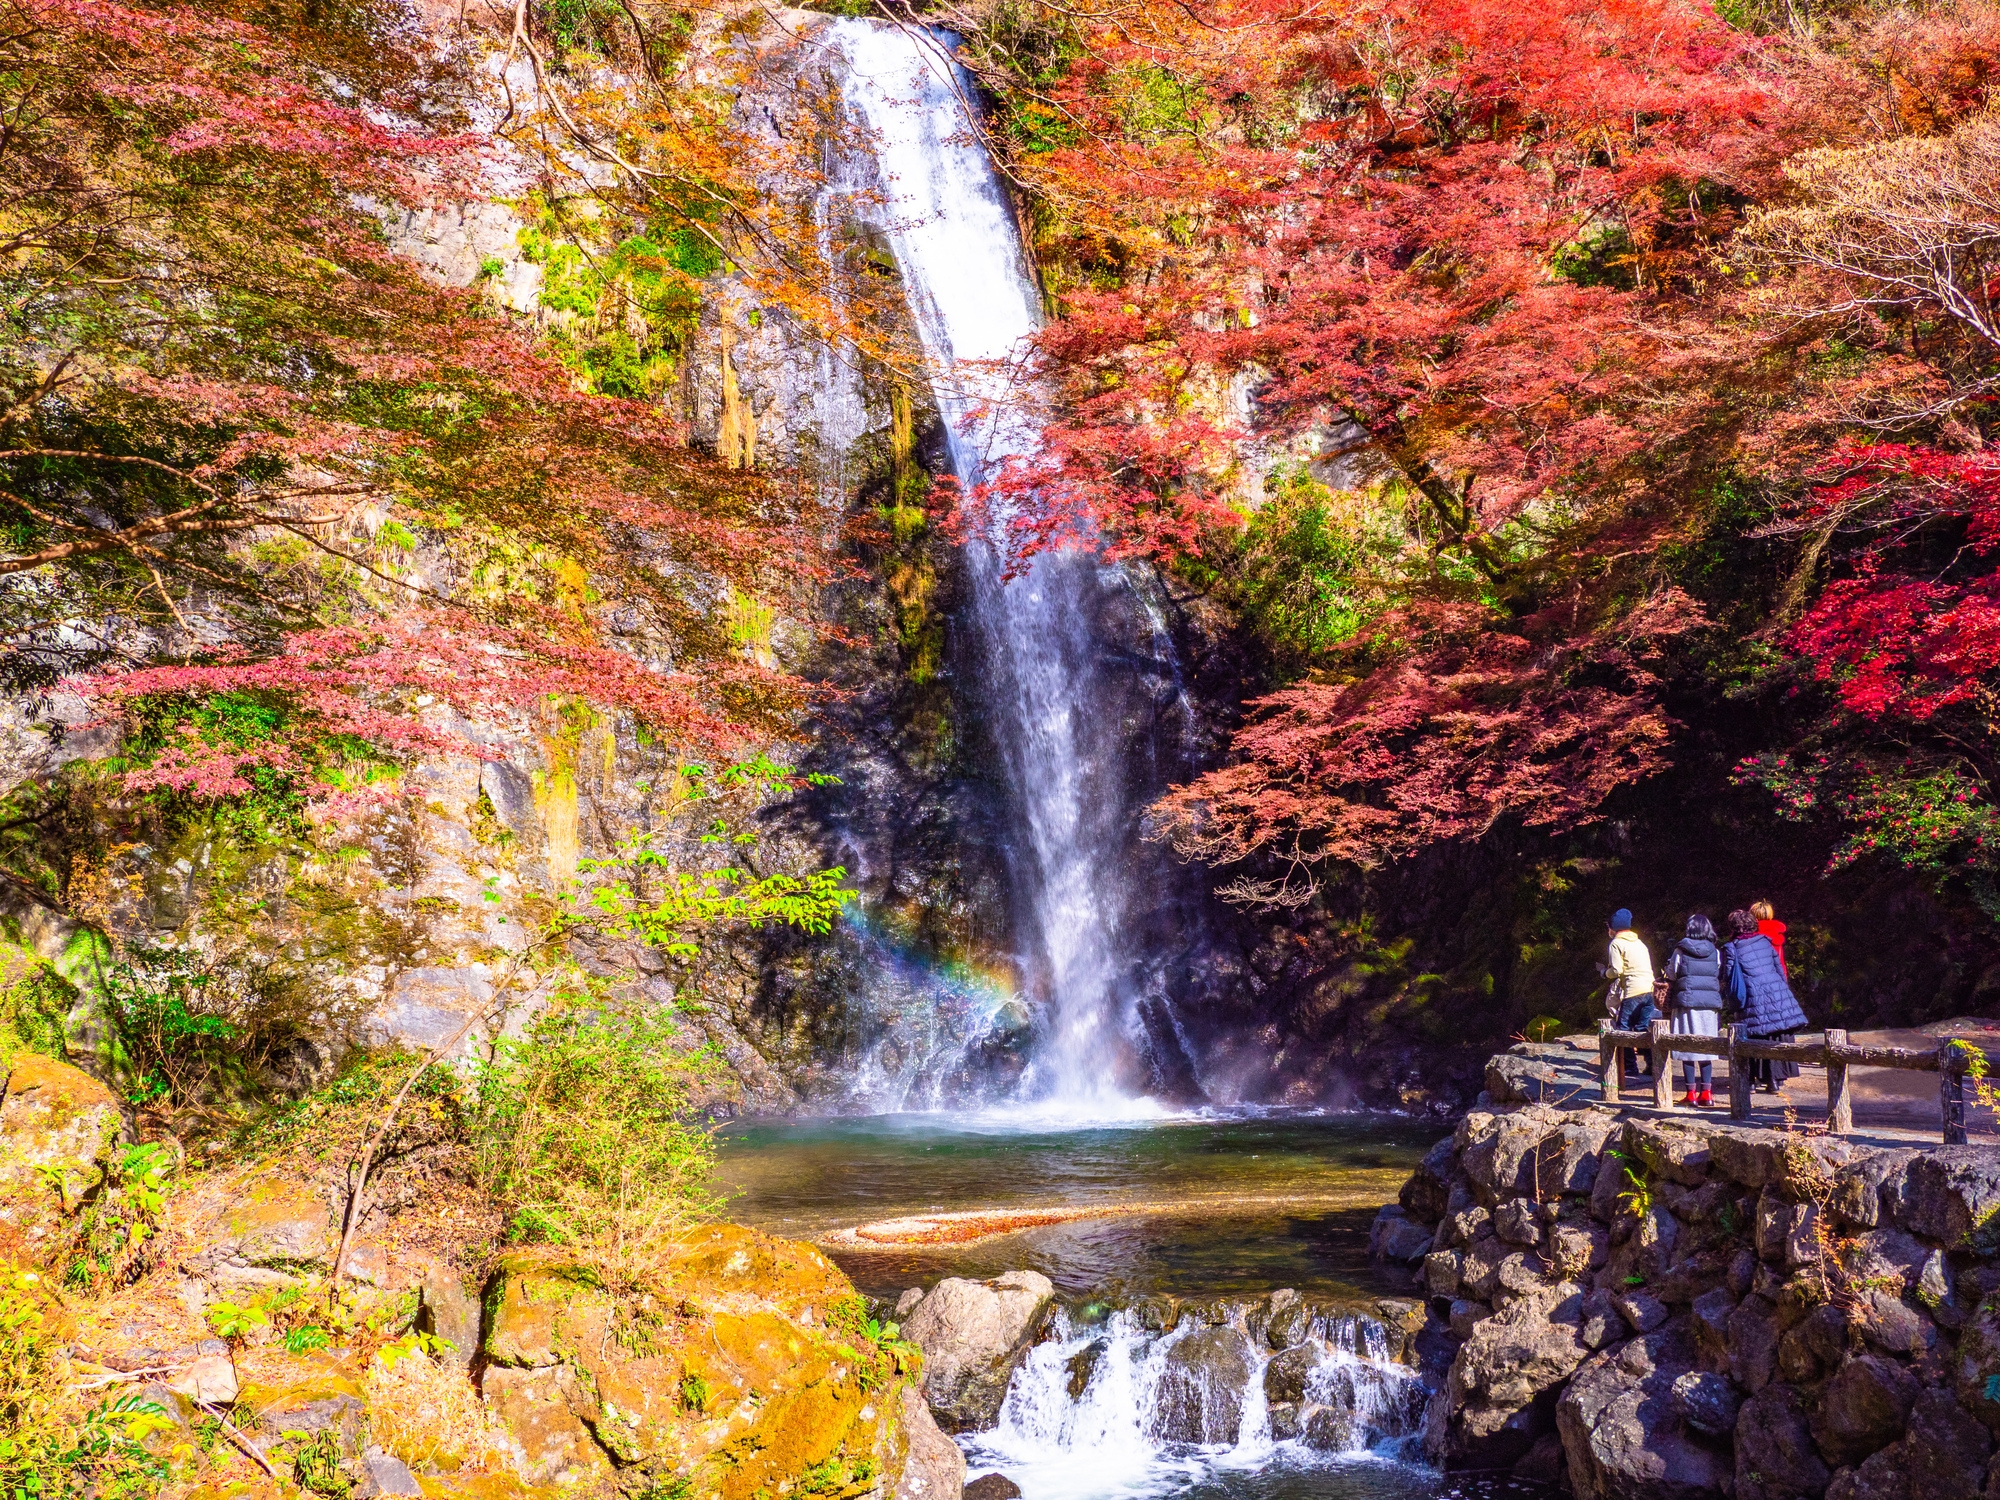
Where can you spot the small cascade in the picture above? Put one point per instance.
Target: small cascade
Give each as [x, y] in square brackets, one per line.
[1112, 1407]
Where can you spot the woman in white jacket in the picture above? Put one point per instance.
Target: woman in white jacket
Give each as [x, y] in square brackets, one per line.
[1630, 995]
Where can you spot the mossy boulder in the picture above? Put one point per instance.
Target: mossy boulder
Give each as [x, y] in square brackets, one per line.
[740, 1368]
[58, 1126]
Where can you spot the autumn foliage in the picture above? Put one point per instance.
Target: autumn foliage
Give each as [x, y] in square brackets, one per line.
[1569, 297]
[268, 459]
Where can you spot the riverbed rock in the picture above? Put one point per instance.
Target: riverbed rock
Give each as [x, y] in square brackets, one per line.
[933, 1466]
[1622, 1433]
[1285, 1376]
[992, 1487]
[1428, 1192]
[1501, 1380]
[1395, 1236]
[1200, 1395]
[973, 1333]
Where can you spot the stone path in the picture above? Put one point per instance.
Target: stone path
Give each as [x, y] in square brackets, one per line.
[1892, 1107]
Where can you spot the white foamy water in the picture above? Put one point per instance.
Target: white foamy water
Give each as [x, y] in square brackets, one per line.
[953, 233]
[1111, 1410]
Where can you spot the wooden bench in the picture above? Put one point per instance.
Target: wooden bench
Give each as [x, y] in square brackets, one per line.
[1950, 1060]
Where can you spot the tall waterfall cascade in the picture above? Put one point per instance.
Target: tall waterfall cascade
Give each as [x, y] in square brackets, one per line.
[952, 229]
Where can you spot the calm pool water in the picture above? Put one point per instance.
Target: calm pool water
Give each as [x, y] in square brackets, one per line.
[1236, 1204]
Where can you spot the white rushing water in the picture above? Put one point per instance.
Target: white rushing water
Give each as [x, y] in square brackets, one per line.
[1112, 1410]
[952, 230]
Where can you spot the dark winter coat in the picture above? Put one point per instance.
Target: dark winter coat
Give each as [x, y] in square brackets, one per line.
[1694, 975]
[1751, 976]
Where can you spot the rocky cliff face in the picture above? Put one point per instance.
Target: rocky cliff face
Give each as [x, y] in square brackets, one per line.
[1652, 1308]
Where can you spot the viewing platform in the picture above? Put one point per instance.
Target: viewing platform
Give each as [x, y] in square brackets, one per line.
[1903, 1087]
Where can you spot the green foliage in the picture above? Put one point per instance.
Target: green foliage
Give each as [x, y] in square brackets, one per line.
[123, 1219]
[588, 1126]
[1312, 567]
[316, 1463]
[1638, 1195]
[656, 274]
[1543, 1028]
[308, 1338]
[1937, 820]
[694, 1392]
[882, 1353]
[1602, 257]
[235, 1321]
[678, 902]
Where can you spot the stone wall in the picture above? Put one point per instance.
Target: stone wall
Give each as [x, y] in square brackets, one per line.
[1640, 1307]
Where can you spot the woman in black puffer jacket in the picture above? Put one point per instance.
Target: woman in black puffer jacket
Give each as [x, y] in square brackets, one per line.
[1694, 1001]
[1754, 979]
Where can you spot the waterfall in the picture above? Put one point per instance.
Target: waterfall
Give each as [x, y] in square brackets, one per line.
[952, 230]
[1111, 1408]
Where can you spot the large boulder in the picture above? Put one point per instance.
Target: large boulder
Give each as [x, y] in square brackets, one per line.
[973, 1334]
[1200, 1395]
[1775, 1457]
[1503, 1380]
[1625, 1435]
[1515, 1079]
[1864, 1408]
[1567, 1160]
[759, 1365]
[1952, 1194]
[1669, 1150]
[58, 1126]
[1948, 1448]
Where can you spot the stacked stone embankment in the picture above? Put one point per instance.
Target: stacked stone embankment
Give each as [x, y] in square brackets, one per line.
[1644, 1308]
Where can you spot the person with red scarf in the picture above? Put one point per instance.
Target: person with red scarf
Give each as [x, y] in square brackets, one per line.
[1772, 928]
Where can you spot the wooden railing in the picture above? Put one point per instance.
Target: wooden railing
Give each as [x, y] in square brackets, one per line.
[1950, 1060]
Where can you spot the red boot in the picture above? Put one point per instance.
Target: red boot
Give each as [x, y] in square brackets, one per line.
[1706, 1097]
[1689, 1102]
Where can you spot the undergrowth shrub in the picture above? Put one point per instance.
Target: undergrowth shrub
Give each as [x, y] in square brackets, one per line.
[426, 1413]
[195, 1031]
[57, 1442]
[116, 1237]
[587, 1129]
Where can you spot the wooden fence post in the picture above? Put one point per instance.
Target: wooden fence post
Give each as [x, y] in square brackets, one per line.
[1607, 1062]
[1663, 1066]
[1739, 1076]
[1951, 1092]
[1839, 1097]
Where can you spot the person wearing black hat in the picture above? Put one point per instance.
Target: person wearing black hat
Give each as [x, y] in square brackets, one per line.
[1629, 997]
